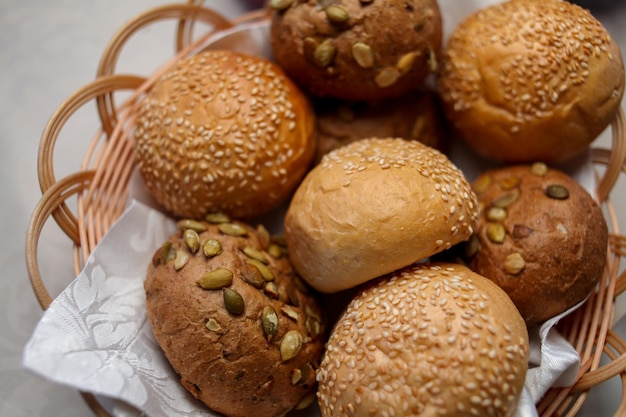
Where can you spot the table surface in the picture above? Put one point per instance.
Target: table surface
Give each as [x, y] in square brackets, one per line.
[49, 49]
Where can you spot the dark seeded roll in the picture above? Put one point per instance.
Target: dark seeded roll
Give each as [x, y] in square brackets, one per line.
[236, 323]
[540, 236]
[357, 50]
[414, 116]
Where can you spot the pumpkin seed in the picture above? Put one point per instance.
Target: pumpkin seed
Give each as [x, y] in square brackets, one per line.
[507, 199]
[217, 218]
[405, 62]
[558, 192]
[311, 396]
[252, 276]
[324, 53]
[432, 60]
[514, 263]
[482, 183]
[296, 376]
[264, 236]
[167, 252]
[275, 251]
[313, 326]
[271, 289]
[471, 247]
[182, 258]
[496, 214]
[539, 169]
[290, 312]
[232, 229]
[263, 269]
[192, 240]
[233, 301]
[521, 231]
[292, 293]
[191, 224]
[280, 4]
[509, 183]
[363, 55]
[269, 322]
[211, 247]
[253, 253]
[496, 232]
[337, 14]
[214, 280]
[213, 325]
[290, 345]
[386, 77]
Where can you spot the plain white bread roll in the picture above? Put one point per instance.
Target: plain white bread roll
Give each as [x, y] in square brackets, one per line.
[429, 340]
[374, 206]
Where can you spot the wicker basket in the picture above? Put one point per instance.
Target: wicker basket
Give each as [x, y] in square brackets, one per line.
[98, 193]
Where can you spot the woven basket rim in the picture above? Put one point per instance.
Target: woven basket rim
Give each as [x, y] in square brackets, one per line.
[101, 196]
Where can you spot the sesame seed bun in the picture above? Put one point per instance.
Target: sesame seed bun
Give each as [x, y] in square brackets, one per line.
[527, 81]
[224, 131]
[429, 340]
[374, 206]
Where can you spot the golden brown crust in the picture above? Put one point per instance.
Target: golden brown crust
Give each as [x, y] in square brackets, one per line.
[433, 339]
[382, 49]
[236, 363]
[414, 116]
[373, 206]
[223, 131]
[526, 81]
[545, 251]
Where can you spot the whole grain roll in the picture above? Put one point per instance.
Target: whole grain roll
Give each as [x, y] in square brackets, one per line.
[428, 340]
[414, 116]
[374, 206]
[224, 131]
[357, 50]
[242, 330]
[525, 80]
[540, 236]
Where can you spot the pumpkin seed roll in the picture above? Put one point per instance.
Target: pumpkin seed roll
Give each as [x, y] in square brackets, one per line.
[540, 236]
[238, 325]
[357, 49]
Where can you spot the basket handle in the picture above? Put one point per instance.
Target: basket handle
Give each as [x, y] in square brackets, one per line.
[45, 161]
[108, 61]
[51, 202]
[614, 159]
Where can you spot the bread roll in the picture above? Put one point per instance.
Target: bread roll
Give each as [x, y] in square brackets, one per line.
[429, 340]
[223, 131]
[540, 236]
[374, 206]
[356, 50]
[527, 81]
[244, 333]
[414, 116]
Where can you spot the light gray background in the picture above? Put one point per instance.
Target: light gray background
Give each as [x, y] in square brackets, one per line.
[48, 49]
